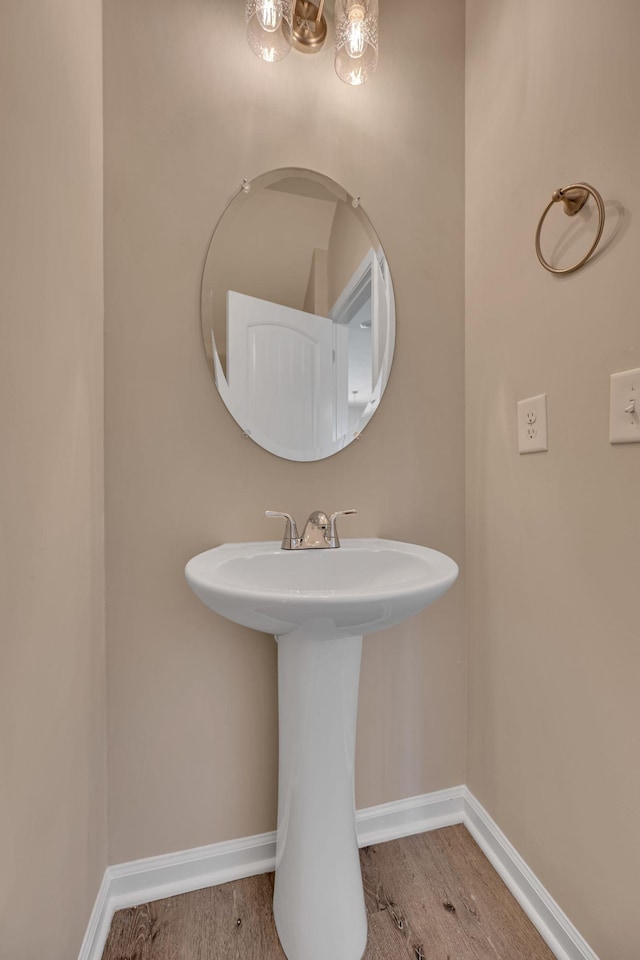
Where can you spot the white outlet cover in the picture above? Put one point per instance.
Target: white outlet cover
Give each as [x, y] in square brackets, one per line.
[624, 413]
[532, 424]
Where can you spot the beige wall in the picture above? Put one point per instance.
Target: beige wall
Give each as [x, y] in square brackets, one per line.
[552, 549]
[348, 245]
[52, 730]
[316, 298]
[189, 112]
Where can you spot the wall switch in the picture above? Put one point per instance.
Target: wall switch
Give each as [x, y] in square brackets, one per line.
[624, 414]
[532, 424]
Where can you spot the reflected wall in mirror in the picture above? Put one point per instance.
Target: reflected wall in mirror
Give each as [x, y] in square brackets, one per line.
[298, 314]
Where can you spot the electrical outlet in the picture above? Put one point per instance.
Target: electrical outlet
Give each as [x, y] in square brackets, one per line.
[624, 411]
[532, 424]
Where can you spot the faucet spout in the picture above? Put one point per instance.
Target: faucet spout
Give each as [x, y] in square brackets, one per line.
[320, 531]
[314, 535]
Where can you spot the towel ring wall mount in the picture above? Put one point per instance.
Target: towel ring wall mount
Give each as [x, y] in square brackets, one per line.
[573, 198]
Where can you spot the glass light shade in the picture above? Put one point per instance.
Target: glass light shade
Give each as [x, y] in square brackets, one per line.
[356, 26]
[269, 26]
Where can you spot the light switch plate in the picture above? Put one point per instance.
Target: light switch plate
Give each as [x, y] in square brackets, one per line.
[624, 413]
[532, 424]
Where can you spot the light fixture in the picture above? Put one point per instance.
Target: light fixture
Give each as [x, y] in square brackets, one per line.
[269, 28]
[356, 40]
[274, 26]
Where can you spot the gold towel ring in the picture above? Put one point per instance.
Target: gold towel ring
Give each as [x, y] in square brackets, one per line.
[573, 198]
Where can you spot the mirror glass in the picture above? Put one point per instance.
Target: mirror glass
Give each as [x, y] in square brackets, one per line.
[298, 314]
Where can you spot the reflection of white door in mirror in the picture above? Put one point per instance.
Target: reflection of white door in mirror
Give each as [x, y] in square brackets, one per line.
[363, 309]
[280, 383]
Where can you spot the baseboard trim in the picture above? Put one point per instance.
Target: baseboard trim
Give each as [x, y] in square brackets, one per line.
[403, 818]
[563, 939]
[154, 878]
[99, 923]
[141, 881]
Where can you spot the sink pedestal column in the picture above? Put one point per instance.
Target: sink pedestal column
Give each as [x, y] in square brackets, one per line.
[319, 901]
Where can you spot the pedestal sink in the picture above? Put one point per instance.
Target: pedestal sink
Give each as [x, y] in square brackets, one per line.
[318, 604]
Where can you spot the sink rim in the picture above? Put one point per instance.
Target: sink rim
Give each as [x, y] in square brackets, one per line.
[446, 574]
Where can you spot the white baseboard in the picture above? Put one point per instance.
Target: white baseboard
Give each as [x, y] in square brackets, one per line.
[552, 923]
[141, 881]
[98, 930]
[403, 818]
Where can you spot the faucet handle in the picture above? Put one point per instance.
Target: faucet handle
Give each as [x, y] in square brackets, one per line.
[332, 537]
[290, 540]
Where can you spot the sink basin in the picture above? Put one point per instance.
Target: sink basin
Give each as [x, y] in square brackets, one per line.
[364, 586]
[318, 604]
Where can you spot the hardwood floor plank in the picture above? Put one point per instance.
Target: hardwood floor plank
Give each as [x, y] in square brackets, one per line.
[419, 900]
[133, 932]
[386, 941]
[485, 902]
[229, 922]
[445, 877]
[422, 937]
[433, 896]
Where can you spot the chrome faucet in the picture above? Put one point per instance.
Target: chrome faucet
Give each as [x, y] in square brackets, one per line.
[320, 531]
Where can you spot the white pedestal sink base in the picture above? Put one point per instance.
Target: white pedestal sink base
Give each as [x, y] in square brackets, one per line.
[319, 902]
[318, 604]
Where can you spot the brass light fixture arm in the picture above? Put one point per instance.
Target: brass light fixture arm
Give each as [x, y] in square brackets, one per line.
[309, 26]
[573, 197]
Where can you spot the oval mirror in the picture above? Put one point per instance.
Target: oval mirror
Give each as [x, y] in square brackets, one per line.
[298, 314]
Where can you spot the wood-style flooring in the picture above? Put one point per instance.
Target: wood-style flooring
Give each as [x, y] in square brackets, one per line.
[434, 896]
